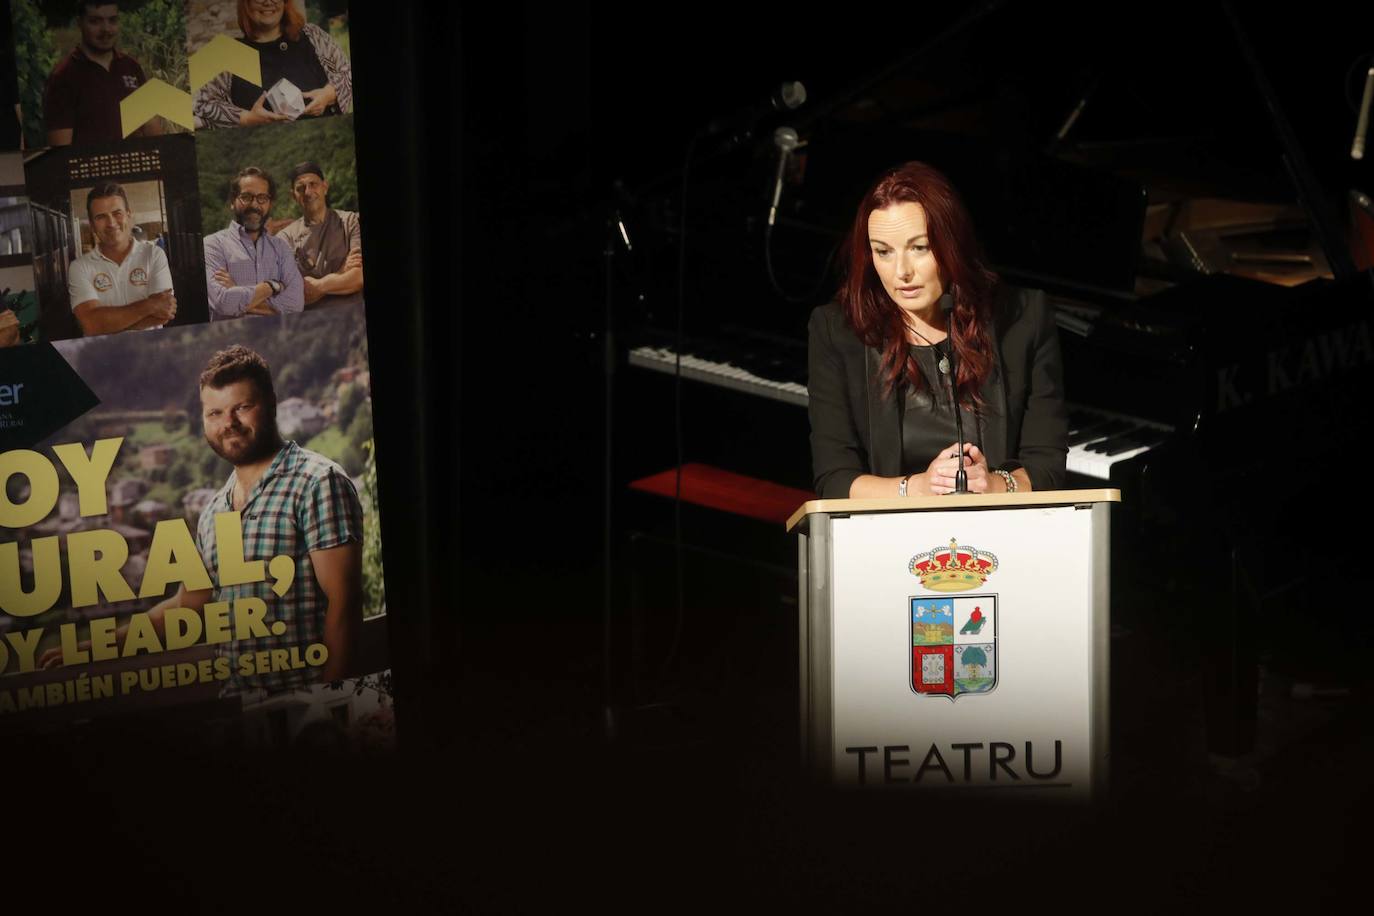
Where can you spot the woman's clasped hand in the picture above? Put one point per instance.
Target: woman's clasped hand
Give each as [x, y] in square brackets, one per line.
[939, 475]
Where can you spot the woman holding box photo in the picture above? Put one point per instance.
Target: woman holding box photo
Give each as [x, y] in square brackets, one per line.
[289, 48]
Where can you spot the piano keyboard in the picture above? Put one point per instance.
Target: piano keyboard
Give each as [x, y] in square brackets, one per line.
[1098, 439]
[726, 375]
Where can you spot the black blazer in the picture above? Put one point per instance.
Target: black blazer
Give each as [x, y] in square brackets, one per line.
[855, 429]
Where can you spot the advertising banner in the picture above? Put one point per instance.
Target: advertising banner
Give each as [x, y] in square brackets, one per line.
[189, 523]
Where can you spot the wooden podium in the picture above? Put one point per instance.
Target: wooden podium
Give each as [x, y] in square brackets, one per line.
[957, 642]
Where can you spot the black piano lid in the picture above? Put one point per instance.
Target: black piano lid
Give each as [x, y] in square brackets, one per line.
[1169, 102]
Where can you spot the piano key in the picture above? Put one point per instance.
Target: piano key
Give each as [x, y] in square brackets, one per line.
[1096, 456]
[1113, 444]
[1096, 431]
[1146, 442]
[1099, 466]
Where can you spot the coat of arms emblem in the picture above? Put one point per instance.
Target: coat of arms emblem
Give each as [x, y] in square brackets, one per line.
[954, 645]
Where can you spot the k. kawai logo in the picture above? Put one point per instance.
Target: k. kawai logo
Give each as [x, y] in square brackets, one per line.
[953, 640]
[102, 282]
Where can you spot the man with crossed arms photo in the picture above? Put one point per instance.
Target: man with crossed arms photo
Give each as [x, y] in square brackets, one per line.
[121, 284]
[327, 242]
[249, 271]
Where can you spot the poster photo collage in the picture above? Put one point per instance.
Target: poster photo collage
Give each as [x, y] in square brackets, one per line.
[189, 525]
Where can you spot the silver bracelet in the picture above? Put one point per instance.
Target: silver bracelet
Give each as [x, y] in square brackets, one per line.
[1006, 475]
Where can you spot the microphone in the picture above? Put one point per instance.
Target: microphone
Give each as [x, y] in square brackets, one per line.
[1362, 124]
[788, 96]
[624, 200]
[947, 306]
[785, 138]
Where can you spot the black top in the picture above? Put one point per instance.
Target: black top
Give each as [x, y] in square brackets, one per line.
[294, 60]
[856, 428]
[927, 421]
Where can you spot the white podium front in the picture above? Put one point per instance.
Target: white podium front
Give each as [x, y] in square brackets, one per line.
[957, 642]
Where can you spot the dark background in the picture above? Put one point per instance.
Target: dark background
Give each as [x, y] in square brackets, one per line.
[553, 104]
[488, 138]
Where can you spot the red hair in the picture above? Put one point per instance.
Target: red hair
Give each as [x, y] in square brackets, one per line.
[878, 321]
[292, 21]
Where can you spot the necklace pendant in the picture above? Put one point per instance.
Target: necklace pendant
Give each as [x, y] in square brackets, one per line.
[944, 365]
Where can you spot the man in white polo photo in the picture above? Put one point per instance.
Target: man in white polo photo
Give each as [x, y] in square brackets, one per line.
[121, 284]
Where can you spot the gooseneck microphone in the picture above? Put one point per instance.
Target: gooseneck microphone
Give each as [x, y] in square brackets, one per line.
[947, 306]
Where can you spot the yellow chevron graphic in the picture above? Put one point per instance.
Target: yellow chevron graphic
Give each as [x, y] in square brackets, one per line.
[156, 97]
[224, 53]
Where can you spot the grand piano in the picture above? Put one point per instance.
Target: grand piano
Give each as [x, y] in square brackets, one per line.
[1207, 284]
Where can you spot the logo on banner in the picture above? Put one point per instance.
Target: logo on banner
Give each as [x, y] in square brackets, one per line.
[953, 568]
[954, 645]
[39, 394]
[138, 277]
[102, 282]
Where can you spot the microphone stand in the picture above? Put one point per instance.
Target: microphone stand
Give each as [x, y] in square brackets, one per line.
[618, 709]
[609, 705]
[947, 306]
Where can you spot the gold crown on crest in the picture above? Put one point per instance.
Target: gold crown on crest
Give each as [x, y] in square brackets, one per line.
[953, 568]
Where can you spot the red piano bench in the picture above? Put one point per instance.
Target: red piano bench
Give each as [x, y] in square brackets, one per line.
[727, 491]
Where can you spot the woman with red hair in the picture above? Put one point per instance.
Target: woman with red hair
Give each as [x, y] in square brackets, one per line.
[288, 48]
[882, 356]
